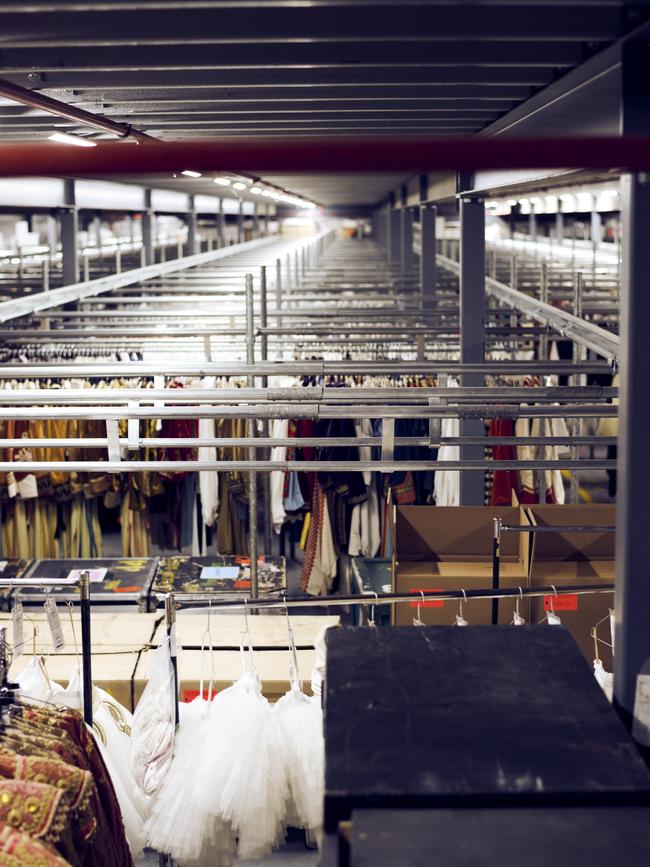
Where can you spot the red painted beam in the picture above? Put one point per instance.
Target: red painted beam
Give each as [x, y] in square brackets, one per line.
[327, 155]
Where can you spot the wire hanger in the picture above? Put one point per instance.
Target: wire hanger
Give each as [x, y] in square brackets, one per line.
[460, 620]
[371, 620]
[294, 671]
[416, 620]
[551, 617]
[517, 619]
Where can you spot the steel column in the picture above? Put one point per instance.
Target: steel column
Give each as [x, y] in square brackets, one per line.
[240, 222]
[406, 240]
[69, 235]
[559, 226]
[252, 432]
[256, 221]
[221, 235]
[394, 232]
[192, 230]
[472, 332]
[428, 256]
[148, 229]
[532, 225]
[632, 552]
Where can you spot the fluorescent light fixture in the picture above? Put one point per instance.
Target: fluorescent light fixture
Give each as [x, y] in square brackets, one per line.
[190, 174]
[267, 193]
[256, 191]
[224, 182]
[65, 138]
[238, 186]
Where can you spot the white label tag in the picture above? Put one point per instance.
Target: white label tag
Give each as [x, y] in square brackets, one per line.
[641, 724]
[17, 623]
[54, 622]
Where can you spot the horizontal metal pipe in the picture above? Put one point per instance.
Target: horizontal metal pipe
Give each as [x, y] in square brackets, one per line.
[101, 370]
[298, 466]
[396, 598]
[299, 410]
[69, 396]
[298, 442]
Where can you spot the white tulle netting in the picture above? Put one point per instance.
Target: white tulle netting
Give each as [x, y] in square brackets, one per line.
[242, 771]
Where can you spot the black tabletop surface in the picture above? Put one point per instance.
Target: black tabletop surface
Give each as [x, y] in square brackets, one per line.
[536, 837]
[438, 715]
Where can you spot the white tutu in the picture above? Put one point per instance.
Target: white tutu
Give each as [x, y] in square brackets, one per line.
[240, 779]
[176, 826]
[152, 739]
[299, 721]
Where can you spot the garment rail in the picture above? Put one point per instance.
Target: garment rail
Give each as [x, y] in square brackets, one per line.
[499, 527]
[86, 644]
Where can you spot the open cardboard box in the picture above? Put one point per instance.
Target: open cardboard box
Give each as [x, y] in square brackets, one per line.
[450, 548]
[562, 559]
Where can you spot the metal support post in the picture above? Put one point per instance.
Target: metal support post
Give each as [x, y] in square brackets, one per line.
[240, 222]
[278, 292]
[86, 646]
[86, 261]
[69, 235]
[543, 297]
[559, 226]
[472, 333]
[252, 432]
[46, 275]
[428, 256]
[532, 225]
[394, 227]
[632, 585]
[192, 229]
[406, 240]
[221, 237]
[118, 260]
[266, 478]
[256, 221]
[148, 230]
[296, 269]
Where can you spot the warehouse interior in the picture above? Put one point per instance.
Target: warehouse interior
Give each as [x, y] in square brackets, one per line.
[323, 433]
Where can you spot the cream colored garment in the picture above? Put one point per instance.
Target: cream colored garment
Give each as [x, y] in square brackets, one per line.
[446, 485]
[208, 479]
[365, 531]
[324, 569]
[279, 429]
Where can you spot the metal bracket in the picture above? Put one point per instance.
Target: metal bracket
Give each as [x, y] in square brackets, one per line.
[113, 436]
[387, 440]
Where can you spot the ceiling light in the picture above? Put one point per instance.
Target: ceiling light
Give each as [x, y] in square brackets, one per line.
[238, 186]
[190, 174]
[256, 191]
[267, 193]
[224, 182]
[65, 138]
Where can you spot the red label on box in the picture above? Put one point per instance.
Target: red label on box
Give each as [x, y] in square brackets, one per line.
[428, 603]
[190, 694]
[243, 585]
[566, 602]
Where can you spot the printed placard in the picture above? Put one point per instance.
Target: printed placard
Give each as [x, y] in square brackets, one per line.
[54, 622]
[17, 626]
[427, 603]
[566, 602]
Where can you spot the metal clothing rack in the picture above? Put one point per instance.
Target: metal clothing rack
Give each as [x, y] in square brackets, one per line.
[501, 527]
[86, 642]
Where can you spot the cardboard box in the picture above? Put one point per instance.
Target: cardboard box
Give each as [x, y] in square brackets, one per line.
[227, 629]
[450, 548]
[562, 559]
[272, 667]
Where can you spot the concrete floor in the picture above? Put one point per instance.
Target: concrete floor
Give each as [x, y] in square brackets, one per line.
[293, 854]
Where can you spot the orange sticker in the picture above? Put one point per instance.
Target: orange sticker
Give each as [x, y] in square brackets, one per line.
[243, 585]
[566, 602]
[428, 603]
[127, 589]
[190, 694]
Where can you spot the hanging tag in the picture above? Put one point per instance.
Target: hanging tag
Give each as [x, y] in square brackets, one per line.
[553, 619]
[641, 724]
[517, 619]
[54, 622]
[17, 624]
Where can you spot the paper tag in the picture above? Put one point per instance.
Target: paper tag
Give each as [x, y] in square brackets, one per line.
[641, 724]
[54, 622]
[96, 575]
[553, 620]
[17, 624]
[567, 602]
[427, 603]
[223, 573]
[242, 585]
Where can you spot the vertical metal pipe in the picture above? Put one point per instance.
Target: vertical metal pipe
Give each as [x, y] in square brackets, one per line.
[428, 256]
[252, 432]
[86, 260]
[394, 247]
[170, 621]
[472, 333]
[278, 292]
[69, 235]
[266, 477]
[179, 249]
[240, 222]
[406, 240]
[148, 229]
[118, 260]
[46, 275]
[86, 646]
